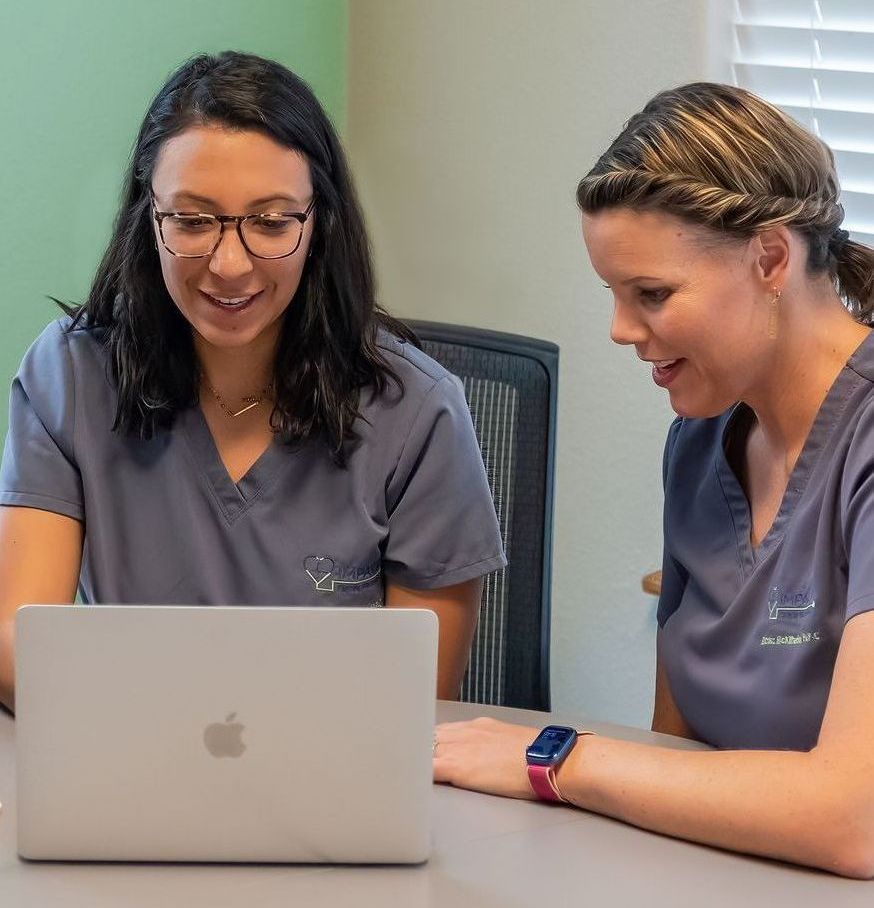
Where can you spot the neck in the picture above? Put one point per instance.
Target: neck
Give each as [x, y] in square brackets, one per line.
[816, 338]
[237, 372]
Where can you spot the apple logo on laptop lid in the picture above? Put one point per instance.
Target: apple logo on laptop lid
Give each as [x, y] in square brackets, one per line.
[225, 739]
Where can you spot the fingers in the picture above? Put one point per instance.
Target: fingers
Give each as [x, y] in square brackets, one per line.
[441, 770]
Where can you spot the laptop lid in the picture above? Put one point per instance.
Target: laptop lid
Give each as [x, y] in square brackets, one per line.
[151, 733]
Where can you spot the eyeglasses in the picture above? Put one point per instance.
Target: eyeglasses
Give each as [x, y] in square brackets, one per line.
[193, 235]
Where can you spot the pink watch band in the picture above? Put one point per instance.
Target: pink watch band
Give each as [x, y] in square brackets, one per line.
[542, 781]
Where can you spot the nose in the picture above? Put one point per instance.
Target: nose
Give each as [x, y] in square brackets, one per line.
[230, 259]
[627, 327]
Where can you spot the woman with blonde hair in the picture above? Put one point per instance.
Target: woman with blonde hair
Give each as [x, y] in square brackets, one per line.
[715, 221]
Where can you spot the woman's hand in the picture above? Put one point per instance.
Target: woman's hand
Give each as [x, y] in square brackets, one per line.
[484, 755]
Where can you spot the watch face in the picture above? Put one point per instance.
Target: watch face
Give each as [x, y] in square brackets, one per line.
[551, 746]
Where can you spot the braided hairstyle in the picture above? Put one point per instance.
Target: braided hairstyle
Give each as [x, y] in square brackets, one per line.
[722, 158]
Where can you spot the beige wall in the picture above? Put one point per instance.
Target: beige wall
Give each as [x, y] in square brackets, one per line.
[469, 124]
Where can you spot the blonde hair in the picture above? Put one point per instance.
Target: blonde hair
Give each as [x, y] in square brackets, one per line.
[721, 157]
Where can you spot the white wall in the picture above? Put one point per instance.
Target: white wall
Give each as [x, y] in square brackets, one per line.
[469, 124]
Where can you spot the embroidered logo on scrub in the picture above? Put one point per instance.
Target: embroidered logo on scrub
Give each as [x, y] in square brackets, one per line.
[795, 608]
[783, 604]
[327, 576]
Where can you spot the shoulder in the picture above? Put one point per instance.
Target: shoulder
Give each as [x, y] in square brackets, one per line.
[62, 347]
[409, 410]
[411, 363]
[64, 367]
[422, 379]
[857, 450]
[855, 421]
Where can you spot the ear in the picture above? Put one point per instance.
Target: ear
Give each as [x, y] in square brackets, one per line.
[771, 252]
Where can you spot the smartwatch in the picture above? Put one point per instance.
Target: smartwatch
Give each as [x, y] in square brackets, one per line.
[544, 755]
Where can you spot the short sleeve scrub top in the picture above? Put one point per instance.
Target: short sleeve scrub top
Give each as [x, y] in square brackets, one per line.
[749, 636]
[165, 524]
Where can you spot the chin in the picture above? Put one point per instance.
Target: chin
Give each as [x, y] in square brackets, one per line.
[234, 332]
[227, 338]
[700, 409]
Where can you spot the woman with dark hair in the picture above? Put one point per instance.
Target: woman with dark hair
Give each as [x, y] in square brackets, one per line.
[714, 220]
[230, 418]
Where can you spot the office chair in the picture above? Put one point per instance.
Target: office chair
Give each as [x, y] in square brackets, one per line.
[510, 383]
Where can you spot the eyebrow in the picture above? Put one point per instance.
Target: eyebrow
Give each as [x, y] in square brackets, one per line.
[640, 277]
[255, 203]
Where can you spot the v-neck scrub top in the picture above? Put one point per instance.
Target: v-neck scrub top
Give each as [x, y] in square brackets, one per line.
[749, 636]
[165, 524]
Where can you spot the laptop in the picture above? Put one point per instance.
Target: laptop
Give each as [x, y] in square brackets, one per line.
[153, 733]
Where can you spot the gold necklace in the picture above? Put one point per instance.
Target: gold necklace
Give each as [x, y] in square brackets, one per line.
[250, 402]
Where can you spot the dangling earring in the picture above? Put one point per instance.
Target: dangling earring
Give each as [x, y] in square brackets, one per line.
[773, 313]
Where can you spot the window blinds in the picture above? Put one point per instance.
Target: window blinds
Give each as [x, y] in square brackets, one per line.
[815, 60]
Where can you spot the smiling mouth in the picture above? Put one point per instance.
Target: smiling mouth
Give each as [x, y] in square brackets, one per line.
[231, 303]
[664, 370]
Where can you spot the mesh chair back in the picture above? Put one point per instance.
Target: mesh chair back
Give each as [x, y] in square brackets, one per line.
[510, 383]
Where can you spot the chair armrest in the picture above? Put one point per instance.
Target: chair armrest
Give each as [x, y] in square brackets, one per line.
[652, 583]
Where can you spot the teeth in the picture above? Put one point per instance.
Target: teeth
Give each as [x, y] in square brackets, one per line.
[664, 363]
[232, 301]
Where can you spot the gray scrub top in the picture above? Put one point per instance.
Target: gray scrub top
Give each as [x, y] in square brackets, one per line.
[749, 637]
[165, 524]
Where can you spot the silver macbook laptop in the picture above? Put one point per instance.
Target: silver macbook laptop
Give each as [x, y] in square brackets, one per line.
[149, 733]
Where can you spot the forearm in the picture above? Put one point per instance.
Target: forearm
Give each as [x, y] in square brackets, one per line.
[456, 636]
[7, 665]
[457, 608]
[40, 558]
[785, 805]
[449, 681]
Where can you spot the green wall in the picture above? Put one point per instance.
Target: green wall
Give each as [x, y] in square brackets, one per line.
[77, 76]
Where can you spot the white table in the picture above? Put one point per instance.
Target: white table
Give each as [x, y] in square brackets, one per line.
[488, 852]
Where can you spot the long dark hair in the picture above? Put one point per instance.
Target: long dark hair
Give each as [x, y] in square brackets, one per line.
[327, 350]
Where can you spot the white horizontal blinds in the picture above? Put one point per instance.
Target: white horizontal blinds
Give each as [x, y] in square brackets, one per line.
[815, 60]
